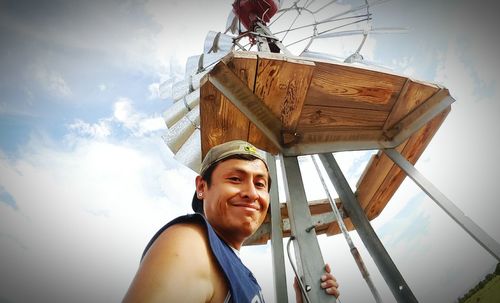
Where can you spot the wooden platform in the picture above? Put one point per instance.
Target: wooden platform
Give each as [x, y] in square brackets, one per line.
[298, 106]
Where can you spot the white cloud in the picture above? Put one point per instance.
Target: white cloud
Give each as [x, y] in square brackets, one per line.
[52, 81]
[154, 90]
[84, 212]
[405, 65]
[122, 111]
[185, 25]
[98, 130]
[122, 31]
[136, 122]
[149, 125]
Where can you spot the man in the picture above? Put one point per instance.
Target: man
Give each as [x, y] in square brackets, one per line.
[195, 258]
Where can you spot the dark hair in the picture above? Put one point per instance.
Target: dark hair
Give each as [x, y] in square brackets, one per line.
[207, 175]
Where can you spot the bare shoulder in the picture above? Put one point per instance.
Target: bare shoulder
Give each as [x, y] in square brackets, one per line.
[182, 241]
[178, 267]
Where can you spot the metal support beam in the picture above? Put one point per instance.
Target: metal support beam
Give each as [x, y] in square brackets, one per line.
[279, 274]
[247, 102]
[388, 269]
[354, 250]
[307, 250]
[476, 232]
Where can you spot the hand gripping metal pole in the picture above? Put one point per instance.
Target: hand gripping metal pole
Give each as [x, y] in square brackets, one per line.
[388, 269]
[308, 253]
[454, 212]
[354, 251]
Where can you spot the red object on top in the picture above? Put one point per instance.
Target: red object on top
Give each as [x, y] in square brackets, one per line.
[250, 11]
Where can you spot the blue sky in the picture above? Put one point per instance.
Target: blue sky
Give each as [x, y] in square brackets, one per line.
[86, 180]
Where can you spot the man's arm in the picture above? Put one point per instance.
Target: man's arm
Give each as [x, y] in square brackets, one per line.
[178, 267]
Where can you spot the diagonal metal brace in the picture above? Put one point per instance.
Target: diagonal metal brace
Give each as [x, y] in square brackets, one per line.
[247, 102]
[395, 281]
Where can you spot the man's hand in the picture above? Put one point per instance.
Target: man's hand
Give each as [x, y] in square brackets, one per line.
[328, 283]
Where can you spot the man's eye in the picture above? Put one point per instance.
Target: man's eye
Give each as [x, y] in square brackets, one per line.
[260, 184]
[236, 179]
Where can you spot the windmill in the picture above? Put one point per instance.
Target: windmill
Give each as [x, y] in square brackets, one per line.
[269, 86]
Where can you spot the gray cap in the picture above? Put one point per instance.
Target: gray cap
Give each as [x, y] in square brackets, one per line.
[221, 152]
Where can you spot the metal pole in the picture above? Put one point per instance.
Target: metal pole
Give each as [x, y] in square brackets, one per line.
[262, 44]
[388, 269]
[307, 250]
[476, 232]
[354, 250]
[261, 28]
[279, 274]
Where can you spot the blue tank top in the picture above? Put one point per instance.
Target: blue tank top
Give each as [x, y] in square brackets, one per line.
[243, 286]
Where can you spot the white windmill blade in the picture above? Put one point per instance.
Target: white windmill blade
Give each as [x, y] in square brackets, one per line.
[200, 63]
[179, 109]
[177, 135]
[192, 65]
[216, 42]
[381, 30]
[182, 88]
[165, 88]
[232, 23]
[190, 152]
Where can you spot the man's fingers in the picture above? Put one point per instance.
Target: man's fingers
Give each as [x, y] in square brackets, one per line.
[333, 291]
[328, 277]
[329, 283]
[327, 268]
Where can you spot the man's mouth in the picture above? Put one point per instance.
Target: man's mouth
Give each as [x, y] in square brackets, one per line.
[249, 206]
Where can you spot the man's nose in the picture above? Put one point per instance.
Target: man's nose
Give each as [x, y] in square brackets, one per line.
[249, 191]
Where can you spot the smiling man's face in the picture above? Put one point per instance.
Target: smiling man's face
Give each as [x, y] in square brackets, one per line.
[237, 200]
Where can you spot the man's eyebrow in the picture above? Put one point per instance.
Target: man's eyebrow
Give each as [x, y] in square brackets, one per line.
[243, 171]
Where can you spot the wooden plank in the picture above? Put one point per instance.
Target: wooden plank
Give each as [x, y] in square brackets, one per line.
[412, 151]
[220, 120]
[282, 85]
[332, 135]
[230, 125]
[420, 116]
[334, 228]
[374, 176]
[412, 95]
[353, 87]
[315, 116]
[245, 65]
[247, 102]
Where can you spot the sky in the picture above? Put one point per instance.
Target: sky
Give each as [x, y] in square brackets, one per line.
[86, 180]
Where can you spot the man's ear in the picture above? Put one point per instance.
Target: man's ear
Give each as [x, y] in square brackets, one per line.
[201, 186]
